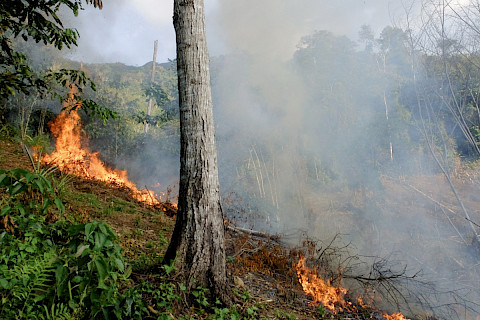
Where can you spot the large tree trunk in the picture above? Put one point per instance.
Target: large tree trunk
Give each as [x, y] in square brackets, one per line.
[198, 241]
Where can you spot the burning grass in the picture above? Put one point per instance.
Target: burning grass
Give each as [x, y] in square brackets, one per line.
[264, 267]
[334, 298]
[278, 275]
[321, 291]
[73, 156]
[395, 316]
[267, 269]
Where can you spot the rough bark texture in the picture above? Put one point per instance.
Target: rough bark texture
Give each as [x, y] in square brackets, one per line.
[198, 241]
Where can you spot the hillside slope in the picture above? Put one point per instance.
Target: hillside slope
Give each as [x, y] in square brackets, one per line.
[258, 265]
[263, 267]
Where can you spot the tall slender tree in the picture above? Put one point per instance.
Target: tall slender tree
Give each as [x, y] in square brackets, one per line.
[152, 79]
[198, 241]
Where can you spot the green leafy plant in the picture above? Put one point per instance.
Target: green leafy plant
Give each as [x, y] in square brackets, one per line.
[60, 270]
[40, 142]
[57, 312]
[284, 315]
[58, 183]
[36, 187]
[7, 130]
[57, 270]
[28, 254]
[201, 299]
[162, 239]
[222, 313]
[321, 310]
[26, 284]
[244, 294]
[43, 25]
[169, 268]
[92, 269]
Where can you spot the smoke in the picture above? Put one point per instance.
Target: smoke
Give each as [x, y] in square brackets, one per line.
[274, 28]
[297, 154]
[263, 106]
[123, 31]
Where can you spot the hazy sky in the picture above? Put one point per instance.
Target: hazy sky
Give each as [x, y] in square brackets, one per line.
[124, 31]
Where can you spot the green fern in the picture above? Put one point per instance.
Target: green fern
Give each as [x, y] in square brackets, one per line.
[57, 312]
[31, 282]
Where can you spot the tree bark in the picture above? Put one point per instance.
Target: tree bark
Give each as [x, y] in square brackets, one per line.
[198, 241]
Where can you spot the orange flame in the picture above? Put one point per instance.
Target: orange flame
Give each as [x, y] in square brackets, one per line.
[74, 158]
[395, 316]
[321, 291]
[329, 296]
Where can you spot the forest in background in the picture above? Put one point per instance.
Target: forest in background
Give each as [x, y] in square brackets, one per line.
[339, 117]
[342, 114]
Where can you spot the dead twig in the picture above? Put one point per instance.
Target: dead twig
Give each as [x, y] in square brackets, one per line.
[476, 224]
[254, 233]
[150, 194]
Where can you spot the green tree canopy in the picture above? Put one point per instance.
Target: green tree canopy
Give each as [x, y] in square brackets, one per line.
[38, 20]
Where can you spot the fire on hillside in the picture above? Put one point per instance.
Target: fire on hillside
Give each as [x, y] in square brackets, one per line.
[73, 157]
[331, 297]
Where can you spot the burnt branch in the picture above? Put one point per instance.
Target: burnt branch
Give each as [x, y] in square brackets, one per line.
[386, 282]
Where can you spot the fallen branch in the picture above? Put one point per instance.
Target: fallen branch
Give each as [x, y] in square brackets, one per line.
[476, 224]
[254, 233]
[381, 277]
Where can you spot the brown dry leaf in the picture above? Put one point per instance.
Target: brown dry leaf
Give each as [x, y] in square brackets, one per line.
[9, 224]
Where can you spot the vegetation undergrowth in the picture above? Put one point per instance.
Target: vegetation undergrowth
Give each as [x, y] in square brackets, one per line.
[53, 268]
